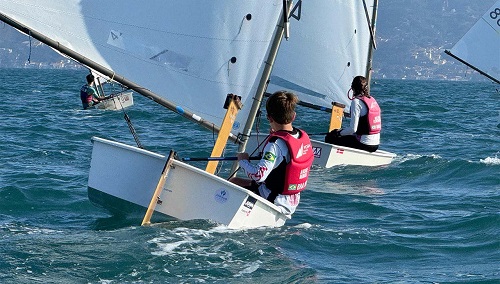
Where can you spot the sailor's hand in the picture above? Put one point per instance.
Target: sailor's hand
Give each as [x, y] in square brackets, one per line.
[242, 156]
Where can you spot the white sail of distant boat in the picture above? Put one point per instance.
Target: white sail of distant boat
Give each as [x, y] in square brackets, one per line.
[479, 48]
[330, 44]
[185, 55]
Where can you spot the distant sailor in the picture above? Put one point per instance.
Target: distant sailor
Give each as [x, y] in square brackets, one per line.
[88, 93]
[282, 172]
[366, 120]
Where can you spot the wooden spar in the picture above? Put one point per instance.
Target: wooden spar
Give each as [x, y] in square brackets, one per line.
[116, 77]
[336, 117]
[146, 221]
[308, 105]
[233, 105]
[472, 66]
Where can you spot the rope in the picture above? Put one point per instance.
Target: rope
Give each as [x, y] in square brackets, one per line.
[132, 130]
[29, 55]
[257, 128]
[214, 140]
[130, 125]
[258, 146]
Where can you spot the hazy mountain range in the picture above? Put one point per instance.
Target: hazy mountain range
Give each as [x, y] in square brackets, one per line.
[411, 38]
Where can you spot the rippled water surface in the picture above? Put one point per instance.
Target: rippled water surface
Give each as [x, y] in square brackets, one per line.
[432, 216]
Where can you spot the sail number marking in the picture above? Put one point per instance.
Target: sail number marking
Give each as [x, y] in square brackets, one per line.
[495, 15]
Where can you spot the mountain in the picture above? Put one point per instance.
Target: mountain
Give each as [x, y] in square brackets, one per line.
[413, 34]
[411, 38]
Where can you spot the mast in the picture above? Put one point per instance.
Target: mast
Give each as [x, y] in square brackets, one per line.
[257, 101]
[372, 46]
[116, 77]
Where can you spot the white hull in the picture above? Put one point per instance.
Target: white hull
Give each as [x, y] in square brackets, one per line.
[131, 174]
[117, 102]
[328, 155]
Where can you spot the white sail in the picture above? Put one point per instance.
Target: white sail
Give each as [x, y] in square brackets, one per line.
[327, 48]
[189, 52]
[479, 48]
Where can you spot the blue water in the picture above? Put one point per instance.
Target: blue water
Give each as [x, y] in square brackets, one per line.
[432, 216]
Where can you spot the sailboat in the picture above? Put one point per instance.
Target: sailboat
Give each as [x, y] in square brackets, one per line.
[479, 48]
[330, 44]
[191, 57]
[114, 100]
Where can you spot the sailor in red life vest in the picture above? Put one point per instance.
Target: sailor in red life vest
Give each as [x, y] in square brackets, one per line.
[88, 94]
[282, 172]
[366, 121]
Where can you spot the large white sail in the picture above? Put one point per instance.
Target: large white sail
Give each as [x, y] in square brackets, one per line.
[479, 48]
[327, 48]
[330, 44]
[189, 52]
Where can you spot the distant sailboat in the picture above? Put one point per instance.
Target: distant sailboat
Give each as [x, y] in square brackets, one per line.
[191, 57]
[479, 48]
[113, 100]
[330, 45]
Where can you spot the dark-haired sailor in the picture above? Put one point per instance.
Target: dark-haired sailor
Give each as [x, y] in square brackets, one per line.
[88, 93]
[283, 170]
[366, 120]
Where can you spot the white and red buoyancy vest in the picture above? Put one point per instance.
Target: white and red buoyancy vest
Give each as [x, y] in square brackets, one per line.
[291, 178]
[371, 123]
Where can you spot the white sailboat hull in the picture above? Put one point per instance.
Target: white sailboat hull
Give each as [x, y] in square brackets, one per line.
[117, 102]
[131, 174]
[328, 155]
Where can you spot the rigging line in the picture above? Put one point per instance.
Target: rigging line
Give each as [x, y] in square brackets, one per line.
[213, 135]
[247, 17]
[132, 130]
[257, 122]
[257, 129]
[372, 34]
[258, 146]
[131, 127]
[220, 165]
[29, 55]
[343, 71]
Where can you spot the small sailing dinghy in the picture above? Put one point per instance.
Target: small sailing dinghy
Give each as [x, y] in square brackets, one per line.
[188, 56]
[479, 48]
[114, 101]
[331, 43]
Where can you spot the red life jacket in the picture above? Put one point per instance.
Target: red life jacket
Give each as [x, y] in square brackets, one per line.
[291, 178]
[85, 96]
[371, 123]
